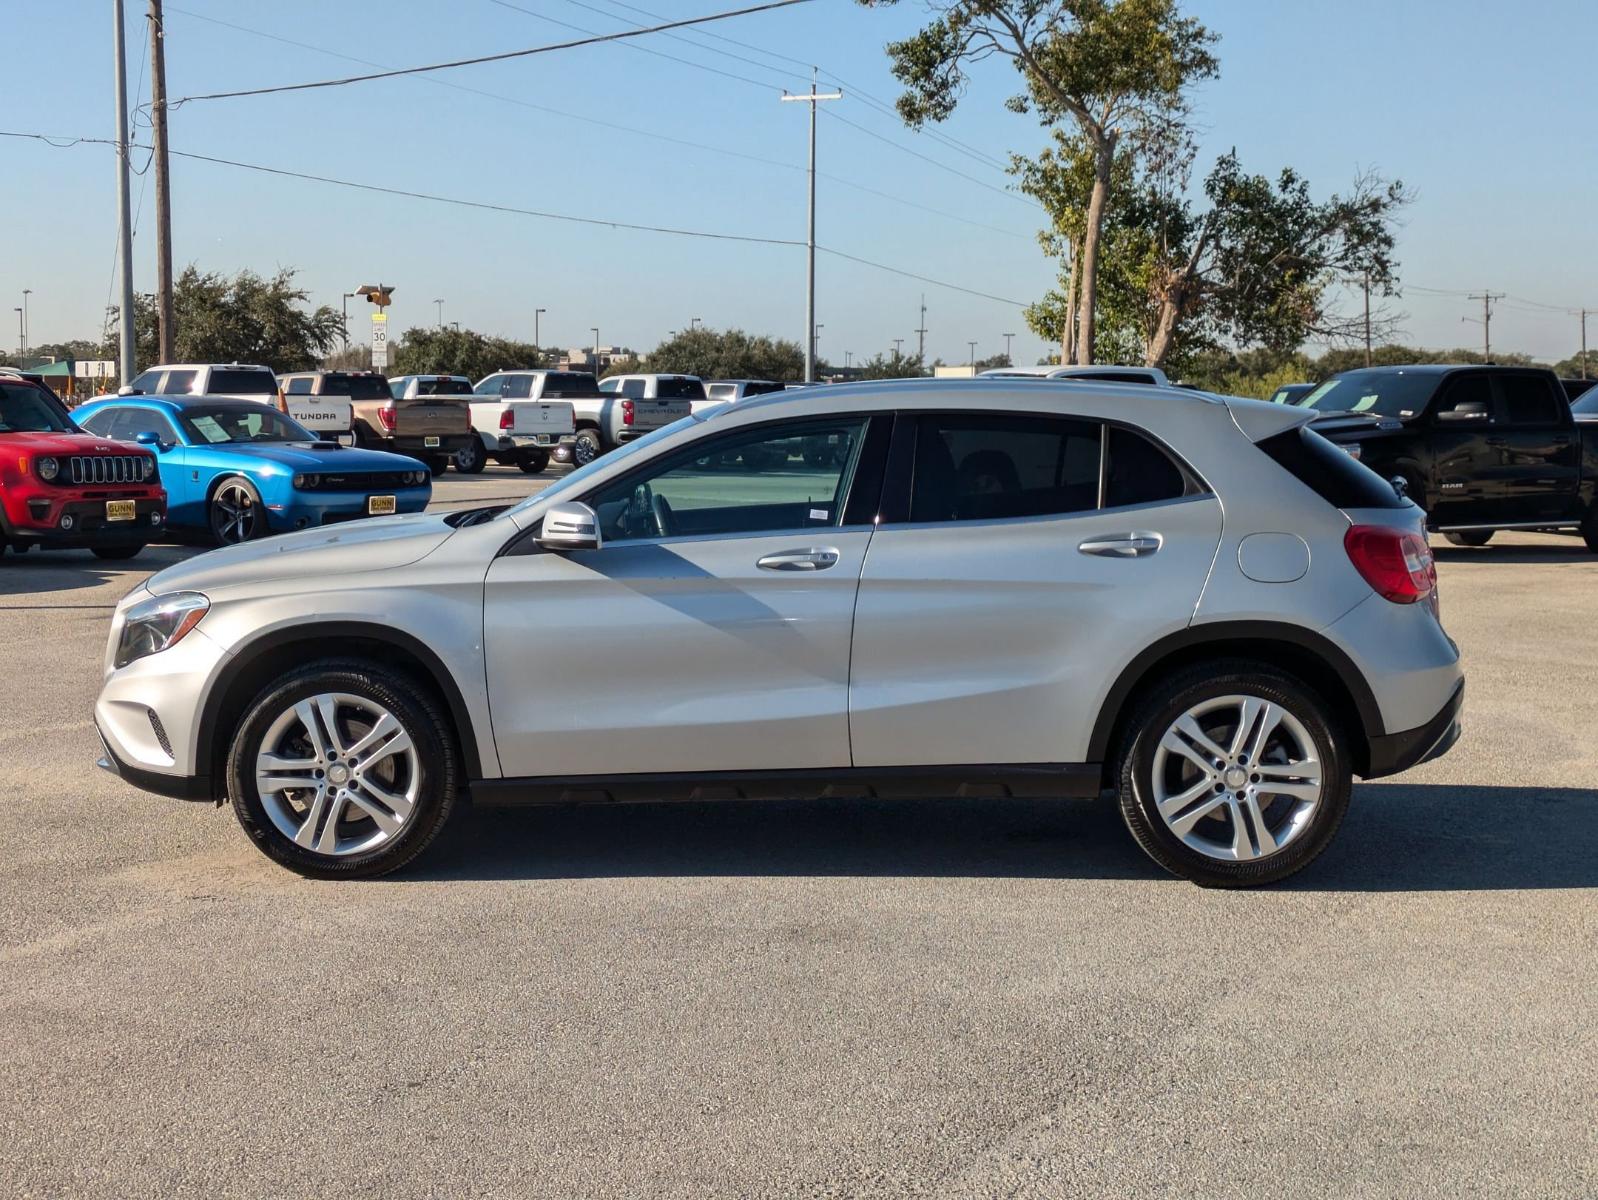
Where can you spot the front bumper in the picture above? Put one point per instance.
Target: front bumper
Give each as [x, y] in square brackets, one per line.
[1395, 752]
[311, 509]
[178, 787]
[90, 528]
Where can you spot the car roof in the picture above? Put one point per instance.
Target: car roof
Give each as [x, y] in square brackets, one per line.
[990, 392]
[1444, 368]
[184, 402]
[232, 366]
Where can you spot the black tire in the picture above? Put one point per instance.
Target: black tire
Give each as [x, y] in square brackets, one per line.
[420, 714]
[117, 553]
[586, 447]
[439, 463]
[235, 513]
[1469, 537]
[471, 458]
[533, 461]
[1589, 530]
[1157, 711]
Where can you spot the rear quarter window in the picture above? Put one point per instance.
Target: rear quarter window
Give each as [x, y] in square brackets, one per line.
[1331, 473]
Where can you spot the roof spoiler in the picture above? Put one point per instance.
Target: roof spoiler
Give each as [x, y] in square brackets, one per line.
[1259, 419]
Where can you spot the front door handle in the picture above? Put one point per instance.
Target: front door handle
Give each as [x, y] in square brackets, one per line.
[816, 558]
[1123, 545]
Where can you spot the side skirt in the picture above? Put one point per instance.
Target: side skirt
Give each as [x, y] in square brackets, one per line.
[899, 783]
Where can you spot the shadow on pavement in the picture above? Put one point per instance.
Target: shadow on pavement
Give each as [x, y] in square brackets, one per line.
[1575, 551]
[49, 571]
[1397, 837]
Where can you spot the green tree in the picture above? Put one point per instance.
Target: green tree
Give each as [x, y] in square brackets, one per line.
[451, 351]
[247, 318]
[1118, 69]
[1579, 367]
[729, 354]
[891, 366]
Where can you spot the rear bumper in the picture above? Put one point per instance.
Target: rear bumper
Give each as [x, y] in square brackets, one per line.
[517, 442]
[416, 446]
[1394, 752]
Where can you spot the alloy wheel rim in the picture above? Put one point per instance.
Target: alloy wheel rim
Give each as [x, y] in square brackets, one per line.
[584, 452]
[338, 774]
[234, 514]
[1236, 778]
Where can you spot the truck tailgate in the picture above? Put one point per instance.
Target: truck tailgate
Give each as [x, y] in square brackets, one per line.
[533, 417]
[653, 414]
[426, 416]
[326, 415]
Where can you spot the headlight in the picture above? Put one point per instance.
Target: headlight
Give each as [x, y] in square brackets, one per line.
[158, 624]
[149, 468]
[307, 481]
[418, 478]
[48, 468]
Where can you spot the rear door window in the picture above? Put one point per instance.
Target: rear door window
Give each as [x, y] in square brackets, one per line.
[1527, 400]
[634, 388]
[569, 385]
[990, 466]
[1136, 471]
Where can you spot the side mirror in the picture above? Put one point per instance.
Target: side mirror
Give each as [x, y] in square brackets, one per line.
[1466, 410]
[571, 526]
[148, 438]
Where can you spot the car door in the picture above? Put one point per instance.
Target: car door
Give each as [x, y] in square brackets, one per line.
[1035, 556]
[1468, 482]
[1535, 440]
[709, 632]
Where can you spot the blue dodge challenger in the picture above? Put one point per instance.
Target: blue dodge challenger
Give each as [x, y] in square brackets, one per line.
[239, 469]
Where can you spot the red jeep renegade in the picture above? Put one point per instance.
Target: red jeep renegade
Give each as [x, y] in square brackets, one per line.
[61, 487]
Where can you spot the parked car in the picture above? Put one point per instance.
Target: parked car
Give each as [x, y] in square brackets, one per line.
[1198, 603]
[1576, 388]
[63, 488]
[1480, 448]
[632, 406]
[730, 391]
[1585, 407]
[426, 427]
[1107, 373]
[238, 470]
[237, 381]
[1291, 393]
[521, 417]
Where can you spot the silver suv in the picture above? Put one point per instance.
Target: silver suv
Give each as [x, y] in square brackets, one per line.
[992, 588]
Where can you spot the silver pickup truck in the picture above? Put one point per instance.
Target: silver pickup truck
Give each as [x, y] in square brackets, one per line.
[630, 406]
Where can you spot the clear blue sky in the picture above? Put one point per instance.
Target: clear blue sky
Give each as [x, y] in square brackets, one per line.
[1482, 109]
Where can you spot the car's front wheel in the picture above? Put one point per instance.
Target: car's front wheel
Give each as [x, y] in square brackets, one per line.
[343, 770]
[533, 461]
[1233, 774]
[236, 513]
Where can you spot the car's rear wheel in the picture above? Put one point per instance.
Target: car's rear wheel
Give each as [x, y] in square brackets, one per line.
[236, 514]
[586, 447]
[439, 463]
[117, 553]
[471, 458]
[1233, 774]
[343, 770]
[1469, 537]
[1589, 530]
[533, 461]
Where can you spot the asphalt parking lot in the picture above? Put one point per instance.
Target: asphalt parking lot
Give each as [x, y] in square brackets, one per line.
[831, 999]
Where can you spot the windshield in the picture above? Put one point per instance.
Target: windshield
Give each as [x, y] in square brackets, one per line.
[579, 478]
[27, 409]
[1385, 393]
[1587, 402]
[239, 423]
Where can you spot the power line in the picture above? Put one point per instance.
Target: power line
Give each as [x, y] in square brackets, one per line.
[500, 57]
[602, 124]
[917, 154]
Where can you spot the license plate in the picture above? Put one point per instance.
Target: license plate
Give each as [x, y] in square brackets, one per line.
[430, 442]
[541, 439]
[120, 510]
[380, 506]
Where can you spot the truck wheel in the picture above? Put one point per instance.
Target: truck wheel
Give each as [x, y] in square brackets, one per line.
[586, 447]
[533, 461]
[343, 769]
[1469, 537]
[117, 553]
[1233, 773]
[438, 463]
[471, 458]
[1589, 530]
[236, 514]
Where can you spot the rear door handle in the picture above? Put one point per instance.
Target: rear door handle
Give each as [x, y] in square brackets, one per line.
[1123, 545]
[816, 558]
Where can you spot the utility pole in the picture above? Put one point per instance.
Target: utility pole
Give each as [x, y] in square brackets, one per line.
[1486, 299]
[897, 342]
[973, 346]
[921, 334]
[125, 348]
[163, 187]
[1007, 357]
[1583, 343]
[813, 99]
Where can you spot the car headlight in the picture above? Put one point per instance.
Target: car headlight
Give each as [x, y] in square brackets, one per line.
[418, 478]
[307, 481]
[149, 468]
[158, 624]
[48, 468]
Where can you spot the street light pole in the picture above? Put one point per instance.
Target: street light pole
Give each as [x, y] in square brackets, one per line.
[973, 346]
[897, 342]
[595, 330]
[1007, 357]
[440, 304]
[26, 292]
[813, 99]
[693, 323]
[17, 308]
[537, 345]
[125, 347]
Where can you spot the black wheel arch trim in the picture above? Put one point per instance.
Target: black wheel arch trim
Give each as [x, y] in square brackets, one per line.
[1217, 633]
[251, 653]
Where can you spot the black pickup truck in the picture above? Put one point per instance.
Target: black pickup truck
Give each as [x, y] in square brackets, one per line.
[1480, 448]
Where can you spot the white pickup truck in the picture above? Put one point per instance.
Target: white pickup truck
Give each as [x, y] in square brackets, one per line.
[521, 417]
[630, 406]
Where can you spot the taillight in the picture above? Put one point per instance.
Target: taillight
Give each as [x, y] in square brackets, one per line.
[385, 414]
[507, 419]
[282, 403]
[1396, 563]
[626, 412]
